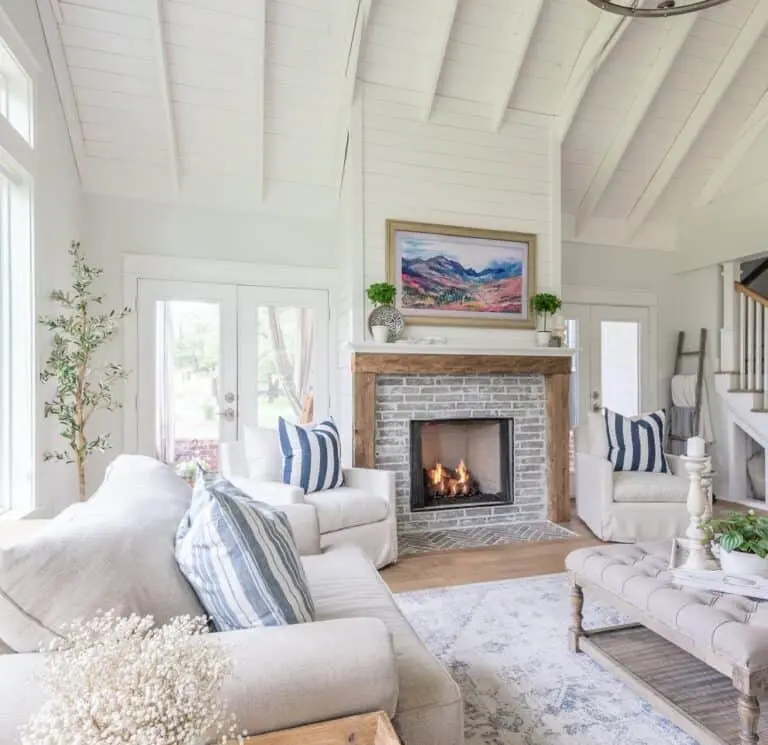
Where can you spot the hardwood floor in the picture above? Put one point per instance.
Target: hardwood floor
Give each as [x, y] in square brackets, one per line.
[462, 567]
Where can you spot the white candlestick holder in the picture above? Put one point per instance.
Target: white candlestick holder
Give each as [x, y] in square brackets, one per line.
[697, 542]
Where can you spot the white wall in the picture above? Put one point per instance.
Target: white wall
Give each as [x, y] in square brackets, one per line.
[57, 213]
[452, 170]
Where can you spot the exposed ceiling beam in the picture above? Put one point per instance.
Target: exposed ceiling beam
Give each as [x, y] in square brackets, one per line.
[670, 46]
[353, 57]
[519, 42]
[747, 137]
[165, 92]
[260, 7]
[607, 32]
[443, 36]
[47, 10]
[745, 41]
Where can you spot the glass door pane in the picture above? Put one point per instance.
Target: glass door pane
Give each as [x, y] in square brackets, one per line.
[283, 360]
[620, 366]
[187, 385]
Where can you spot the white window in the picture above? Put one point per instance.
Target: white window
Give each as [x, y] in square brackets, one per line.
[17, 296]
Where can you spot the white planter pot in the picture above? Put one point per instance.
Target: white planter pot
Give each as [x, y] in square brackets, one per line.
[380, 334]
[543, 337]
[740, 564]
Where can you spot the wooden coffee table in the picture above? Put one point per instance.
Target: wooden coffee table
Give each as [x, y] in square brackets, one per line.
[363, 729]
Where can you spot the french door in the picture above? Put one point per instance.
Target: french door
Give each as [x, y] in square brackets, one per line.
[612, 368]
[215, 357]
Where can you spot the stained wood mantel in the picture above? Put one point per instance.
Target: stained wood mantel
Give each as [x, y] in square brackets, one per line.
[555, 367]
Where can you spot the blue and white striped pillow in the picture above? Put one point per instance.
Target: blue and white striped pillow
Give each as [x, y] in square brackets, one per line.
[240, 557]
[636, 443]
[311, 455]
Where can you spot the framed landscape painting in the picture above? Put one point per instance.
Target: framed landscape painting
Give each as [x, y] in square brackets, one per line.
[461, 276]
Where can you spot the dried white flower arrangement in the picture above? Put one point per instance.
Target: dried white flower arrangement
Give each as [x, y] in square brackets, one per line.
[125, 681]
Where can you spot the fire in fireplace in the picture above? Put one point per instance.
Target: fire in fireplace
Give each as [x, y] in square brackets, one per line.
[461, 463]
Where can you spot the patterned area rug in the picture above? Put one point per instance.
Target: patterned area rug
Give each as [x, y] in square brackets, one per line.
[410, 544]
[505, 645]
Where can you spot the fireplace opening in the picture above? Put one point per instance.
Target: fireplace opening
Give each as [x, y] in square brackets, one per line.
[461, 463]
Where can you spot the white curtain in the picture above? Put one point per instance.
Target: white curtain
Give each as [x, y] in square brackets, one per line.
[164, 336]
[295, 375]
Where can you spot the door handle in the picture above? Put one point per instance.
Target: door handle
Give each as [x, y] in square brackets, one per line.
[228, 414]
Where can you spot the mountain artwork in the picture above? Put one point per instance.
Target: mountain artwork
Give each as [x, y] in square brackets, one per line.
[461, 277]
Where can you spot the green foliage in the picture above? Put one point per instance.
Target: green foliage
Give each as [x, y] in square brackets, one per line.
[382, 293]
[747, 533]
[546, 304]
[82, 387]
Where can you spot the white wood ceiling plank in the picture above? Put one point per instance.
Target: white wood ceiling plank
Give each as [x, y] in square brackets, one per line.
[74, 37]
[216, 63]
[101, 20]
[207, 21]
[520, 43]
[107, 81]
[243, 8]
[754, 26]
[142, 131]
[112, 63]
[750, 133]
[141, 8]
[445, 12]
[606, 34]
[216, 42]
[165, 93]
[260, 79]
[645, 94]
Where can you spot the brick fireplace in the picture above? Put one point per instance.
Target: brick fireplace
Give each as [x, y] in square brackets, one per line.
[504, 439]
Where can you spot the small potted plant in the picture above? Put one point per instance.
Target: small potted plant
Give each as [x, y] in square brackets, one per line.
[545, 305]
[743, 541]
[385, 321]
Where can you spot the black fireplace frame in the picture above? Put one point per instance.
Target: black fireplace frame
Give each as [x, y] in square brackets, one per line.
[506, 455]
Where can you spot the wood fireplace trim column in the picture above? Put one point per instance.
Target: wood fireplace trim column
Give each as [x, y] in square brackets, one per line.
[556, 370]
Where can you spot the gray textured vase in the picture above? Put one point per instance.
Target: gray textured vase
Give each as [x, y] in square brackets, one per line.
[389, 316]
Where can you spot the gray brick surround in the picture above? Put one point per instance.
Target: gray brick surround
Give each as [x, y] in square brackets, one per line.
[400, 398]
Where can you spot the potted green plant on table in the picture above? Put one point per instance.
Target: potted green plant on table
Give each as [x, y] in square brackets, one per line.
[545, 305]
[385, 321]
[743, 541]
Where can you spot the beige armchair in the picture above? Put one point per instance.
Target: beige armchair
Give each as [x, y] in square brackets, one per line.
[625, 506]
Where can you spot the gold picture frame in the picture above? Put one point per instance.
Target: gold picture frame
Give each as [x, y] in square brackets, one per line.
[437, 283]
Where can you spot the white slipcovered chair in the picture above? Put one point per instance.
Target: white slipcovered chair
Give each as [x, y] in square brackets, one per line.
[626, 506]
[361, 512]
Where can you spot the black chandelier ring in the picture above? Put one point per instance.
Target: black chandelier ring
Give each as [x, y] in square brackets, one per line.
[662, 9]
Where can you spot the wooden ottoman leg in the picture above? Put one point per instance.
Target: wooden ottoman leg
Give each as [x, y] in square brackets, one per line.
[749, 715]
[576, 629]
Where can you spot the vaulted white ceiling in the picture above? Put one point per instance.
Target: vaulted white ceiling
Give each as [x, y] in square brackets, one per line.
[247, 102]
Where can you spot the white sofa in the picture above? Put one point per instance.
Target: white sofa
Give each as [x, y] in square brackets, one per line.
[626, 506]
[359, 513]
[116, 550]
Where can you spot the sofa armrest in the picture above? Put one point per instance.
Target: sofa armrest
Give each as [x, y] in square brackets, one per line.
[287, 676]
[593, 488]
[305, 527]
[271, 492]
[376, 482]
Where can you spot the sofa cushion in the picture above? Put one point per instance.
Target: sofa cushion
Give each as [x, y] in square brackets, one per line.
[113, 552]
[344, 584]
[346, 507]
[629, 486]
[311, 455]
[241, 559]
[262, 453]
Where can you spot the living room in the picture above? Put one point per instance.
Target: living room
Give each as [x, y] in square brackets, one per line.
[392, 283]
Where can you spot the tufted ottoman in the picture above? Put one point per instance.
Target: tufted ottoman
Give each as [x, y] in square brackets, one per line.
[700, 657]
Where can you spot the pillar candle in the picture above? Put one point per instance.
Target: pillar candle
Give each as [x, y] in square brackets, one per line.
[697, 447]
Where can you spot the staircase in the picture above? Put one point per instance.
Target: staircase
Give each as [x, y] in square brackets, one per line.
[743, 387]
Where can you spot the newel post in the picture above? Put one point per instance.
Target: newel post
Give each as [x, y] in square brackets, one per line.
[729, 333]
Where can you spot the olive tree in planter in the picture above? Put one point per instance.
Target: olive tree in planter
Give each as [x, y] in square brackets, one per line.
[83, 386]
[545, 305]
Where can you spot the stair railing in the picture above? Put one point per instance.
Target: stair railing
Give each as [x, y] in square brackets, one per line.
[753, 341]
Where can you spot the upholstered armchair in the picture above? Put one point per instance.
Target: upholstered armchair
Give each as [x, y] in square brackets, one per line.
[361, 512]
[626, 506]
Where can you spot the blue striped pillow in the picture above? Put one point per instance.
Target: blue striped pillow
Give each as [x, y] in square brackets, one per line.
[636, 443]
[311, 455]
[240, 557]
